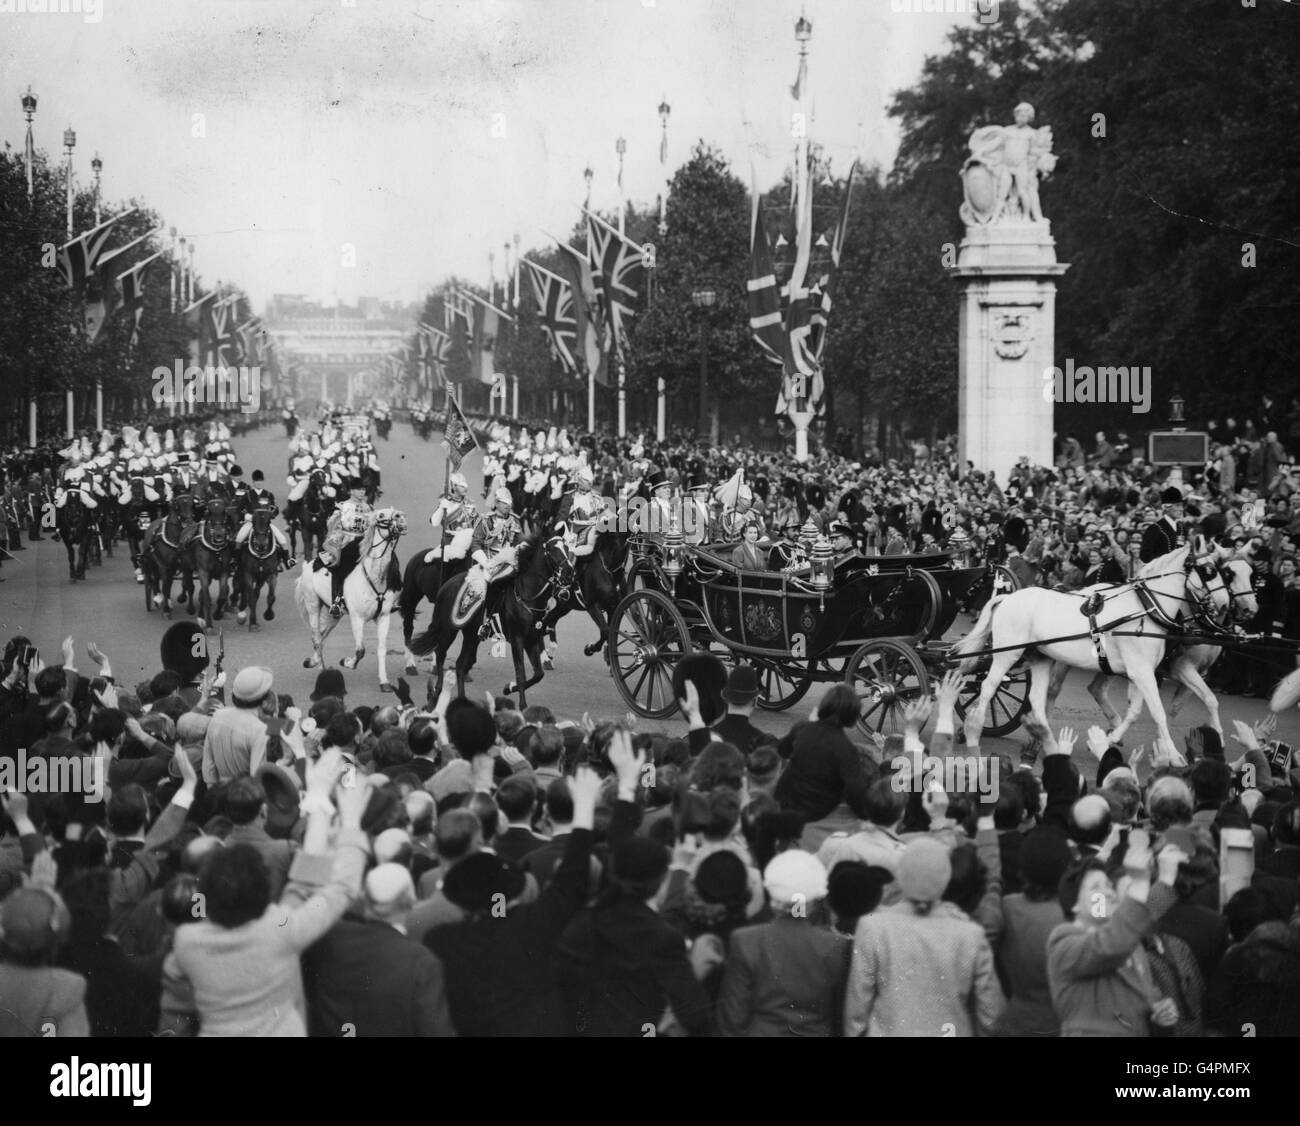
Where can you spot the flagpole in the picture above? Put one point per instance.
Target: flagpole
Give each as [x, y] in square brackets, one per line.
[799, 413]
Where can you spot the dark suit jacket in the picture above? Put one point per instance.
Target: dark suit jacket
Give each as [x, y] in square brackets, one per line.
[368, 975]
[499, 978]
[620, 965]
[1159, 538]
[737, 730]
[784, 978]
[515, 844]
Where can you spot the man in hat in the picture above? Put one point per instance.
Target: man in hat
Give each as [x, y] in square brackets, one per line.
[741, 694]
[259, 498]
[584, 511]
[658, 515]
[184, 651]
[455, 519]
[342, 546]
[235, 742]
[1164, 535]
[697, 511]
[493, 549]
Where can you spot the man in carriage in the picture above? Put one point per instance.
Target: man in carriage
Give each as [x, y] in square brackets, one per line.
[342, 547]
[258, 498]
[455, 519]
[494, 551]
[1164, 534]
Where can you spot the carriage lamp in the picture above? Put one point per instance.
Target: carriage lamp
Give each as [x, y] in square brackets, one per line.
[674, 547]
[823, 564]
[960, 545]
[809, 533]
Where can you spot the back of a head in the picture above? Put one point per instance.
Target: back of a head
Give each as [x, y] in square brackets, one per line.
[235, 885]
[1090, 820]
[854, 889]
[1169, 802]
[1045, 855]
[1211, 782]
[458, 833]
[341, 731]
[516, 798]
[165, 683]
[719, 764]
[128, 810]
[60, 716]
[50, 682]
[392, 750]
[559, 802]
[638, 868]
[1010, 810]
[724, 813]
[885, 805]
[509, 724]
[180, 898]
[969, 878]
[244, 800]
[539, 715]
[840, 705]
[471, 728]
[763, 765]
[422, 738]
[384, 719]
[546, 746]
[1124, 796]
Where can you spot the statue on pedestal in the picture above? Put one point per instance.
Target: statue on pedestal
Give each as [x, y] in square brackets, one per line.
[1000, 177]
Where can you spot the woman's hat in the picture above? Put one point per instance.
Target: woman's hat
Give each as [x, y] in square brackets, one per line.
[924, 870]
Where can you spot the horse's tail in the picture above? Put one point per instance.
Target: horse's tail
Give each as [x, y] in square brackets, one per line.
[410, 599]
[422, 644]
[971, 647]
[304, 594]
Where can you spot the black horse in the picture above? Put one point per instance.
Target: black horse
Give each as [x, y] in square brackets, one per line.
[308, 516]
[76, 527]
[210, 556]
[137, 515]
[257, 565]
[600, 581]
[545, 572]
[422, 581]
[161, 556]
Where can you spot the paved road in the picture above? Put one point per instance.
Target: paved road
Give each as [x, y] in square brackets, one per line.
[38, 599]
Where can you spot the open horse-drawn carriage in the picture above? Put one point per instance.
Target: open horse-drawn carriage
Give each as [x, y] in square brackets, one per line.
[875, 622]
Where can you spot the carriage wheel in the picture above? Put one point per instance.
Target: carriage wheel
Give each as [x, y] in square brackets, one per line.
[887, 674]
[782, 684]
[647, 637]
[1009, 703]
[998, 580]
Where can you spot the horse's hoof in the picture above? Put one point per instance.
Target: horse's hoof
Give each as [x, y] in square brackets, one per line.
[182, 598]
[384, 686]
[411, 670]
[157, 599]
[254, 627]
[508, 690]
[241, 617]
[269, 615]
[308, 663]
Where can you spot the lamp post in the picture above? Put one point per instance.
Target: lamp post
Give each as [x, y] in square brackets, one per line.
[664, 110]
[29, 108]
[587, 174]
[1176, 405]
[620, 147]
[703, 300]
[97, 166]
[171, 265]
[69, 143]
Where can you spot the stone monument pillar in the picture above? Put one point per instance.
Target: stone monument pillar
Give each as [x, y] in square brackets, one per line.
[1006, 267]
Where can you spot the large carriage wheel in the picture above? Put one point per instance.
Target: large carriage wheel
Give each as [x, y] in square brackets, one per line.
[782, 684]
[1009, 703]
[888, 674]
[647, 637]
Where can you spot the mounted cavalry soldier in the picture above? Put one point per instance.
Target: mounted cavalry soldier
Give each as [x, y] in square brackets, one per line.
[258, 498]
[493, 549]
[455, 519]
[342, 546]
[584, 511]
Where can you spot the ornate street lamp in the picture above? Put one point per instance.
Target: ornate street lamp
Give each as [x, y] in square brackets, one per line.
[587, 174]
[97, 166]
[69, 143]
[29, 108]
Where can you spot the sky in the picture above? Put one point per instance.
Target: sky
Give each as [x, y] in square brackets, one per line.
[336, 148]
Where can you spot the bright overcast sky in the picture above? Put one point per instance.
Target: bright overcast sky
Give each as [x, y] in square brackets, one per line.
[373, 123]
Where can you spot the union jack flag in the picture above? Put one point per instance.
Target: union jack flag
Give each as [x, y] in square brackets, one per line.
[132, 284]
[618, 269]
[223, 331]
[78, 258]
[555, 308]
[765, 319]
[457, 304]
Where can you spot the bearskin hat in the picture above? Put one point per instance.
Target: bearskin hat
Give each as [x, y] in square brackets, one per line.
[184, 650]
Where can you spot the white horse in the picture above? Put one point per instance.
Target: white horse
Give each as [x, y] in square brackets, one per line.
[1132, 624]
[1188, 664]
[370, 592]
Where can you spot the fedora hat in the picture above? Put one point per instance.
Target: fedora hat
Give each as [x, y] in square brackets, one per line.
[742, 685]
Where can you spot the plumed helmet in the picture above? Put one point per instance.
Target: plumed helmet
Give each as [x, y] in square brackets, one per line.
[583, 475]
[458, 481]
[184, 650]
[502, 496]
